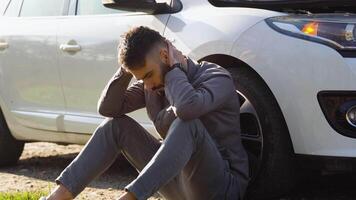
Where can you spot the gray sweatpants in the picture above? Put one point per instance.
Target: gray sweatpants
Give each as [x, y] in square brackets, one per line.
[186, 165]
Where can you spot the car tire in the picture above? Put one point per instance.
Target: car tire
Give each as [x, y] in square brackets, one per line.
[10, 148]
[273, 172]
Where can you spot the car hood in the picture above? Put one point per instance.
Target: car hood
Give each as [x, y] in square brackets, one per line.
[292, 5]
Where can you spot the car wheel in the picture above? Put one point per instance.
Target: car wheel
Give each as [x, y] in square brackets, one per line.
[10, 148]
[265, 136]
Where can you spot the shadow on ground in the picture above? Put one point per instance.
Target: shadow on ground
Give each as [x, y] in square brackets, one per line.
[326, 187]
[48, 168]
[38, 164]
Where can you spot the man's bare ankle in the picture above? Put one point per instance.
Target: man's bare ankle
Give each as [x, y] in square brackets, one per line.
[60, 193]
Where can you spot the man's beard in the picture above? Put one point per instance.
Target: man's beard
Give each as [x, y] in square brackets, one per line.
[164, 69]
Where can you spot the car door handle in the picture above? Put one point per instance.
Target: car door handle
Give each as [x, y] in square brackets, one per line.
[70, 47]
[3, 45]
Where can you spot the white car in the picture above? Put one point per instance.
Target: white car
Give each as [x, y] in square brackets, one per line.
[293, 61]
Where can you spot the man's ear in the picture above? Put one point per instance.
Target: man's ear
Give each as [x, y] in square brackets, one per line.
[164, 55]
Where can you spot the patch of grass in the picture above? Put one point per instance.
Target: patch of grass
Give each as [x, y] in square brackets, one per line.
[25, 195]
[28, 195]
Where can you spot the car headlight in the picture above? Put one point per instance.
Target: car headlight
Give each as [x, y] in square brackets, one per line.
[335, 30]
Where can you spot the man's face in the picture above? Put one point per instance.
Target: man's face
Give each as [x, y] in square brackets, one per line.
[153, 72]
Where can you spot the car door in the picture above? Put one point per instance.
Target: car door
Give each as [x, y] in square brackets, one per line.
[30, 84]
[88, 41]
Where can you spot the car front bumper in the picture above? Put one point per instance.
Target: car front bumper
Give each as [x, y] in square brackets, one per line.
[296, 70]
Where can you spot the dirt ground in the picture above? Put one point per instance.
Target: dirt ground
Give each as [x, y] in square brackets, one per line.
[42, 162]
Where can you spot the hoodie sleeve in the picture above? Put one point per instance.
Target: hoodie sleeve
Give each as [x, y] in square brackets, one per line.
[189, 102]
[164, 120]
[117, 98]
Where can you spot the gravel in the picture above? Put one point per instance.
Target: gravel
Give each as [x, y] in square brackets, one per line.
[42, 162]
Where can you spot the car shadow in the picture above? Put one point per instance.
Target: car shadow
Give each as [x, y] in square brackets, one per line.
[337, 186]
[117, 176]
[37, 163]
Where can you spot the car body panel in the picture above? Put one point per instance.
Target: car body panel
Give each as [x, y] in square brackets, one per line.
[199, 33]
[29, 70]
[296, 70]
[85, 73]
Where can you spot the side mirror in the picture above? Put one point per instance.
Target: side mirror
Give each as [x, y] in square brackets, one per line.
[149, 6]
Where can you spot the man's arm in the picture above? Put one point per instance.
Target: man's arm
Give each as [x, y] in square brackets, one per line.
[164, 120]
[116, 99]
[189, 102]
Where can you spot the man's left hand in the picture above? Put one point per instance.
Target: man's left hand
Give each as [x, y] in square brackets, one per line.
[174, 55]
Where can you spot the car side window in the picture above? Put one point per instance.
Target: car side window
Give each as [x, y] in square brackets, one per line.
[34, 8]
[95, 7]
[13, 8]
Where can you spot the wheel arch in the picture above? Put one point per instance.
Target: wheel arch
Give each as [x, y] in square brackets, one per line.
[228, 61]
[6, 115]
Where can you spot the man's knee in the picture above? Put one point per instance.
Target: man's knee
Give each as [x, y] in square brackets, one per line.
[122, 121]
[116, 121]
[186, 123]
[194, 127]
[113, 126]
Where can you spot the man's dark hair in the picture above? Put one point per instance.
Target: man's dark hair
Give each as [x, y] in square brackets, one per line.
[135, 44]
